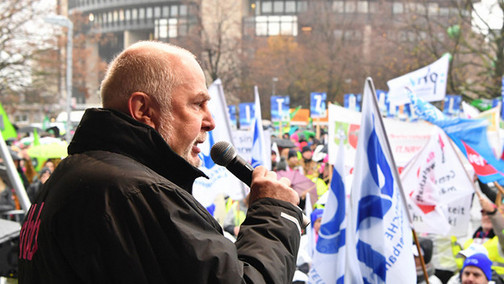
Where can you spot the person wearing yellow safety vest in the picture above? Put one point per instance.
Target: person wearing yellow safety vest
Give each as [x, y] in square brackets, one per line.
[495, 246]
[236, 211]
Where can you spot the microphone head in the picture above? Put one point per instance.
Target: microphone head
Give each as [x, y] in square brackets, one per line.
[222, 153]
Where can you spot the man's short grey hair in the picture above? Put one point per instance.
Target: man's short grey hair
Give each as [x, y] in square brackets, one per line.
[146, 66]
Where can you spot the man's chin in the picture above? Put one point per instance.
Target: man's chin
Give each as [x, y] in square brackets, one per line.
[195, 161]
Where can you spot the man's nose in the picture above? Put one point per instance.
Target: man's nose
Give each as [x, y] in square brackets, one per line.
[208, 121]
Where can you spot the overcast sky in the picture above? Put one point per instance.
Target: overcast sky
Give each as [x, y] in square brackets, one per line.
[489, 11]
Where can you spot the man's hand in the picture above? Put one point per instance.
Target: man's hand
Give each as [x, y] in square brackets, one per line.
[265, 184]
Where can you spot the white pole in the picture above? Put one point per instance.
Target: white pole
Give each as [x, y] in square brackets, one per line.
[14, 176]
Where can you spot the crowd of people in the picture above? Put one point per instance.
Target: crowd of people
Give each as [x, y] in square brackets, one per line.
[32, 175]
[477, 258]
[120, 208]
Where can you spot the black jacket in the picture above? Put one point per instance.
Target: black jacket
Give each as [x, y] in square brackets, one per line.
[119, 209]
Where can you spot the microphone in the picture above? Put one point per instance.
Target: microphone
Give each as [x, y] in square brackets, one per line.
[224, 154]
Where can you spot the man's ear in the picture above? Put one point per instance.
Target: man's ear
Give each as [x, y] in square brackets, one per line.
[141, 108]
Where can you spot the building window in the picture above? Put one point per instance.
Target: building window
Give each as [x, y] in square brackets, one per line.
[421, 9]
[350, 7]
[165, 28]
[302, 6]
[397, 8]
[174, 11]
[433, 9]
[362, 7]
[183, 10]
[157, 12]
[278, 7]
[290, 7]
[338, 6]
[134, 14]
[444, 11]
[276, 25]
[266, 7]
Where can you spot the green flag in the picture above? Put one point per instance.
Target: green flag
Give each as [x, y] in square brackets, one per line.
[8, 130]
[36, 138]
[46, 123]
[482, 104]
[293, 113]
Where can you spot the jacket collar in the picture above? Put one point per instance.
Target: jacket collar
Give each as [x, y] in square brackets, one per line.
[113, 131]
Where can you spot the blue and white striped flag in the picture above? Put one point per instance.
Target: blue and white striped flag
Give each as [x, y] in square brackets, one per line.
[260, 153]
[380, 235]
[328, 265]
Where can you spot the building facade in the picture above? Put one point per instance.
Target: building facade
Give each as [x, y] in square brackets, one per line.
[367, 25]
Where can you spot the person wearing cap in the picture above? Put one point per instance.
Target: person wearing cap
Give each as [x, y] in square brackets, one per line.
[476, 270]
[316, 220]
[462, 255]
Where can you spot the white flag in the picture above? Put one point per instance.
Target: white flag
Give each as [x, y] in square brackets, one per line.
[380, 227]
[328, 265]
[438, 189]
[428, 83]
[220, 181]
[260, 150]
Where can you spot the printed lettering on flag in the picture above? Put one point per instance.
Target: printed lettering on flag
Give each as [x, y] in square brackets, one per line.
[438, 189]
[379, 222]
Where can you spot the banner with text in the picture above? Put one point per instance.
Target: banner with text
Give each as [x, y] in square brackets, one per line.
[429, 83]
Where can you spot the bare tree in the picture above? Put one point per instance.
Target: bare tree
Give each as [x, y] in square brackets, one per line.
[218, 41]
[477, 61]
[20, 38]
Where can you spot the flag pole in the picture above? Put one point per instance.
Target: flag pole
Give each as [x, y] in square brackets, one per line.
[424, 269]
[369, 81]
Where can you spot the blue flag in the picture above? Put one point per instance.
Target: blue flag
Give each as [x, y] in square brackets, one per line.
[470, 136]
[379, 237]
[328, 265]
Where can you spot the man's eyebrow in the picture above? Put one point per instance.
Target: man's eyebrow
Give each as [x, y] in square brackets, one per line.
[203, 95]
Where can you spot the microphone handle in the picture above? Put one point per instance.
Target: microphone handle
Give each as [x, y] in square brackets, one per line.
[241, 169]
